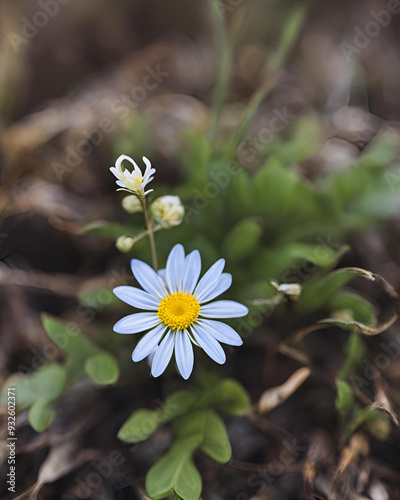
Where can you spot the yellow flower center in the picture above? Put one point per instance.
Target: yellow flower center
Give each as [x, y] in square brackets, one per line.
[179, 310]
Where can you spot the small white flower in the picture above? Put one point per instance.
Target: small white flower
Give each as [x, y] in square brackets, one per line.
[131, 204]
[168, 211]
[134, 182]
[179, 312]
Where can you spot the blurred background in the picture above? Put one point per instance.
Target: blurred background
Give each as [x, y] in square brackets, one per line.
[316, 83]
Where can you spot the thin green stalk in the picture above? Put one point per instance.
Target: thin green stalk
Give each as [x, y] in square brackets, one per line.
[151, 235]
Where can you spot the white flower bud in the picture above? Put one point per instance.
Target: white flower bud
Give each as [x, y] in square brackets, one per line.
[132, 204]
[168, 211]
[292, 290]
[124, 244]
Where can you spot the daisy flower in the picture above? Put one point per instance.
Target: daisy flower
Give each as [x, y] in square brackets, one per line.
[135, 181]
[179, 311]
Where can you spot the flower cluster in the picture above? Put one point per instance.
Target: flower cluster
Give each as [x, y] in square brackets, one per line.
[179, 311]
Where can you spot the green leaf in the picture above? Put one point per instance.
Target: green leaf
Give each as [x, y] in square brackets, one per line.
[102, 368]
[216, 441]
[355, 352]
[208, 428]
[175, 472]
[228, 396]
[275, 188]
[41, 415]
[48, 383]
[139, 426]
[378, 154]
[78, 347]
[344, 401]
[289, 34]
[143, 423]
[355, 305]
[317, 294]
[287, 260]
[242, 240]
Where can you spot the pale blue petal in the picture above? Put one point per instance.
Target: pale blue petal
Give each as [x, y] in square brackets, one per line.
[148, 278]
[150, 357]
[137, 298]
[223, 309]
[163, 355]
[135, 323]
[209, 344]
[221, 332]
[174, 268]
[161, 273]
[209, 280]
[184, 353]
[192, 271]
[222, 285]
[148, 343]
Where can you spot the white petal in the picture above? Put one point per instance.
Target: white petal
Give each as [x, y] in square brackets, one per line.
[221, 332]
[192, 271]
[135, 323]
[163, 355]
[148, 278]
[184, 353]
[121, 158]
[150, 357]
[174, 268]
[222, 285]
[223, 309]
[209, 344]
[137, 298]
[209, 280]
[148, 343]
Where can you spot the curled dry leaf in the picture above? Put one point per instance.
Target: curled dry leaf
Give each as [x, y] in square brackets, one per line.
[390, 314]
[275, 396]
[382, 401]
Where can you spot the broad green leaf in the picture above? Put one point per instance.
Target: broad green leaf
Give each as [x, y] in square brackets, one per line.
[216, 442]
[41, 415]
[228, 396]
[242, 240]
[139, 426]
[175, 472]
[209, 429]
[102, 368]
[77, 346]
[48, 383]
[143, 423]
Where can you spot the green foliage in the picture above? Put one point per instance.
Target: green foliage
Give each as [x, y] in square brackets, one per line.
[102, 368]
[82, 355]
[37, 391]
[195, 425]
[242, 240]
[40, 389]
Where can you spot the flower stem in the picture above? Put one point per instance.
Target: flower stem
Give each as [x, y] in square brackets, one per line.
[151, 235]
